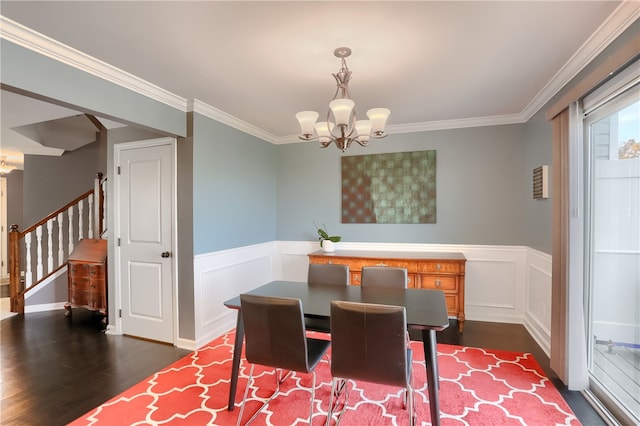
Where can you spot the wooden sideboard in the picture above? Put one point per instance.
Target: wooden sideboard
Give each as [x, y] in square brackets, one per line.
[428, 270]
[87, 272]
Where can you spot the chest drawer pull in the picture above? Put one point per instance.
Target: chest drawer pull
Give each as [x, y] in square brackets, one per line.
[436, 283]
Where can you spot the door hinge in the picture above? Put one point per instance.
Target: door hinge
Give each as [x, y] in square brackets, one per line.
[118, 169]
[119, 313]
[118, 242]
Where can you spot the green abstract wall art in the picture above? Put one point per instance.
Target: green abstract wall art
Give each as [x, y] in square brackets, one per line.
[389, 188]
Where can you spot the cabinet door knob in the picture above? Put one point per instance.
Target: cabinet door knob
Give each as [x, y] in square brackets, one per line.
[437, 283]
[165, 254]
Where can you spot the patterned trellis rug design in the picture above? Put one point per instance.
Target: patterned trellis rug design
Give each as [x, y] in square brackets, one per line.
[477, 387]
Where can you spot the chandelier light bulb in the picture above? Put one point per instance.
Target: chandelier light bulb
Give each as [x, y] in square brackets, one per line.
[378, 117]
[363, 129]
[307, 120]
[341, 109]
[323, 130]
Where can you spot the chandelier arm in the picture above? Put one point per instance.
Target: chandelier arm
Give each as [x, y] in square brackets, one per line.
[361, 143]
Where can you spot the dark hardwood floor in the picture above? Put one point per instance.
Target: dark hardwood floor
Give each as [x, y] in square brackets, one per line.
[54, 369]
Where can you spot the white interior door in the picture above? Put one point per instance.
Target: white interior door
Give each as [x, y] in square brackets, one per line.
[145, 263]
[4, 268]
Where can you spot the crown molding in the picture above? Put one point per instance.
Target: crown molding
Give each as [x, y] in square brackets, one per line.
[626, 13]
[26, 37]
[621, 18]
[202, 108]
[497, 120]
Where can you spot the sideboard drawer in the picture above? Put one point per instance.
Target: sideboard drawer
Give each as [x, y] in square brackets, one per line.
[79, 297]
[78, 269]
[452, 302]
[439, 267]
[79, 283]
[437, 282]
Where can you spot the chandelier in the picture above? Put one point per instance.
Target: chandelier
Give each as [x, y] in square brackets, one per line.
[341, 126]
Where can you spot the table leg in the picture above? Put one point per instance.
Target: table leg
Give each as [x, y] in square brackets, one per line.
[235, 366]
[433, 380]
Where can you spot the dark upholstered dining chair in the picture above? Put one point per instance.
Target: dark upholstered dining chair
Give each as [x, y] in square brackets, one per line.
[383, 276]
[369, 343]
[325, 274]
[275, 336]
[328, 273]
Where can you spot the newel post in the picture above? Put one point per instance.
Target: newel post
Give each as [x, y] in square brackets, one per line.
[98, 201]
[16, 300]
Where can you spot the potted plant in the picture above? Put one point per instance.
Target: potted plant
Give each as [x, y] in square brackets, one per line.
[327, 242]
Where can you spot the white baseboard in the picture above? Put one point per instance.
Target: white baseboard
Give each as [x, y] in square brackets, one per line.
[45, 307]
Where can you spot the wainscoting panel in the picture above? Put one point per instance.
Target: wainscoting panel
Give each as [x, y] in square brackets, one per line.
[222, 275]
[494, 283]
[537, 318]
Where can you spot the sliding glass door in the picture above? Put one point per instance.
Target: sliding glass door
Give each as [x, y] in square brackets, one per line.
[612, 250]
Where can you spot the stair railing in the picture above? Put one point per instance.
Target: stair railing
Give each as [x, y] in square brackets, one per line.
[71, 222]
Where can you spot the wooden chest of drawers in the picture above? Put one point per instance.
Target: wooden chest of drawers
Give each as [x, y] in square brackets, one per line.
[439, 271]
[87, 272]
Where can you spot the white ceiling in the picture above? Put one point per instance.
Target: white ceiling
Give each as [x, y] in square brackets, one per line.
[434, 64]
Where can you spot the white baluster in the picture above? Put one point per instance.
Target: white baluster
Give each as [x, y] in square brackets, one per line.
[80, 219]
[39, 253]
[104, 205]
[49, 246]
[90, 215]
[60, 239]
[28, 276]
[70, 214]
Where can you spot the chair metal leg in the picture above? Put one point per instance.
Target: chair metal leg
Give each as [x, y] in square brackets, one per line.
[279, 379]
[412, 415]
[246, 392]
[313, 396]
[337, 387]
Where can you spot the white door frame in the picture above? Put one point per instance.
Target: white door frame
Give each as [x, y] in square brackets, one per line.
[4, 248]
[117, 322]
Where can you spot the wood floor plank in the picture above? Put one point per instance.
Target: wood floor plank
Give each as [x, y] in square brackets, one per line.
[54, 369]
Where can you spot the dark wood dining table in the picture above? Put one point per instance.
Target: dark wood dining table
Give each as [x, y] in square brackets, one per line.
[426, 310]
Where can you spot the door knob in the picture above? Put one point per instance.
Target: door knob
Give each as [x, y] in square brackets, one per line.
[165, 254]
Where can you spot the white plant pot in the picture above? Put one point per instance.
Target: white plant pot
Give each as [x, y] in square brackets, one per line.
[328, 246]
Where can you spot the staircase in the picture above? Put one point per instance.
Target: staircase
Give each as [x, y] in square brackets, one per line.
[32, 258]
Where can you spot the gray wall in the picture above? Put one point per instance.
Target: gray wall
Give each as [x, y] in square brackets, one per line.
[479, 189]
[56, 292]
[234, 187]
[74, 174]
[185, 234]
[538, 140]
[14, 198]
[28, 72]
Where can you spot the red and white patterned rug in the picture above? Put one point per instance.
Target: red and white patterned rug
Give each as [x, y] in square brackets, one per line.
[477, 387]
